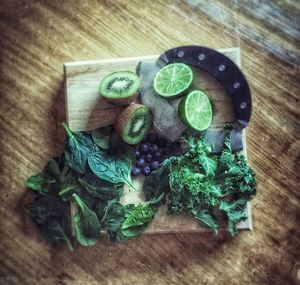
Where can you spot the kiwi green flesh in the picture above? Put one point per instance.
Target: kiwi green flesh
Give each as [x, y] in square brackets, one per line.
[138, 125]
[121, 84]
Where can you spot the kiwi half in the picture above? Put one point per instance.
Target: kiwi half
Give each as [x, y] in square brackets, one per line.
[120, 88]
[133, 123]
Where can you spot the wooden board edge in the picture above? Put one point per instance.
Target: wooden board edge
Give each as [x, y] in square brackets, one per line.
[137, 58]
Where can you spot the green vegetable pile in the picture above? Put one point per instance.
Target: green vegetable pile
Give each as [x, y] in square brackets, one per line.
[91, 173]
[92, 179]
[204, 185]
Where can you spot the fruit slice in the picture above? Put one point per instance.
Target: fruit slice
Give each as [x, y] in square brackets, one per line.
[120, 88]
[133, 123]
[195, 110]
[173, 80]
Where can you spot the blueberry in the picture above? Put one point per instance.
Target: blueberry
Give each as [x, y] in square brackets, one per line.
[153, 138]
[157, 155]
[146, 170]
[137, 154]
[154, 165]
[140, 162]
[148, 157]
[135, 171]
[162, 142]
[153, 148]
[144, 147]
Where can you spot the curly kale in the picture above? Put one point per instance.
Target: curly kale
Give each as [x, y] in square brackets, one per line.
[202, 183]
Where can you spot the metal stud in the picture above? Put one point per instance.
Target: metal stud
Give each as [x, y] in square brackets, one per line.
[201, 56]
[221, 67]
[236, 85]
[243, 105]
[180, 53]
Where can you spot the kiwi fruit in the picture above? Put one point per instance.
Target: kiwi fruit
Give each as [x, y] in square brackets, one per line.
[133, 123]
[120, 88]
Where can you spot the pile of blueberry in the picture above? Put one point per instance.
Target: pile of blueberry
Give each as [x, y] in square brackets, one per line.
[150, 153]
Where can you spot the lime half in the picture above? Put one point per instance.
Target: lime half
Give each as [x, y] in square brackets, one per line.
[173, 80]
[195, 110]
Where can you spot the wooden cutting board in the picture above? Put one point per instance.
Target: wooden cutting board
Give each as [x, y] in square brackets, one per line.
[87, 110]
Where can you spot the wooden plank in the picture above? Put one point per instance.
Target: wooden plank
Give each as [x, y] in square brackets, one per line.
[86, 110]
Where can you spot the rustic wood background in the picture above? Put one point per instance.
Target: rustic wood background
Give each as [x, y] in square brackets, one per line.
[38, 36]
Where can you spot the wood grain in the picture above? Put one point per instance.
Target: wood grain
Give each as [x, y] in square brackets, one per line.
[38, 36]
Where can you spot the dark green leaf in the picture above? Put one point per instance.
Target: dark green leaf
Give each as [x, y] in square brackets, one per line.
[209, 164]
[206, 218]
[101, 137]
[52, 218]
[43, 181]
[155, 186]
[114, 215]
[100, 188]
[112, 167]
[86, 223]
[78, 147]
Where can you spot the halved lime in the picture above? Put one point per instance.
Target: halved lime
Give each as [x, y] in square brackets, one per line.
[195, 110]
[173, 80]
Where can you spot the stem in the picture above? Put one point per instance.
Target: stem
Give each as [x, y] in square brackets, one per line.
[129, 184]
[66, 190]
[68, 130]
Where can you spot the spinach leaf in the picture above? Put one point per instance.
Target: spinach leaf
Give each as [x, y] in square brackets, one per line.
[114, 168]
[99, 188]
[43, 181]
[207, 218]
[86, 223]
[56, 235]
[101, 137]
[114, 215]
[51, 216]
[78, 147]
[156, 185]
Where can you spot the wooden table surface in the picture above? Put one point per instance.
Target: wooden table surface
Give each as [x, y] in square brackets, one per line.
[37, 37]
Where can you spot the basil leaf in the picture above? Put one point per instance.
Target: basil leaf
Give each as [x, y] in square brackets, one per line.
[86, 223]
[78, 146]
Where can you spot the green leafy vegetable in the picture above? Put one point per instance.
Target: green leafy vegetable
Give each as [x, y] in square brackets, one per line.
[114, 168]
[200, 182]
[114, 215]
[78, 147]
[156, 185]
[99, 188]
[101, 137]
[206, 218]
[86, 224]
[43, 181]
[51, 216]
[136, 219]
